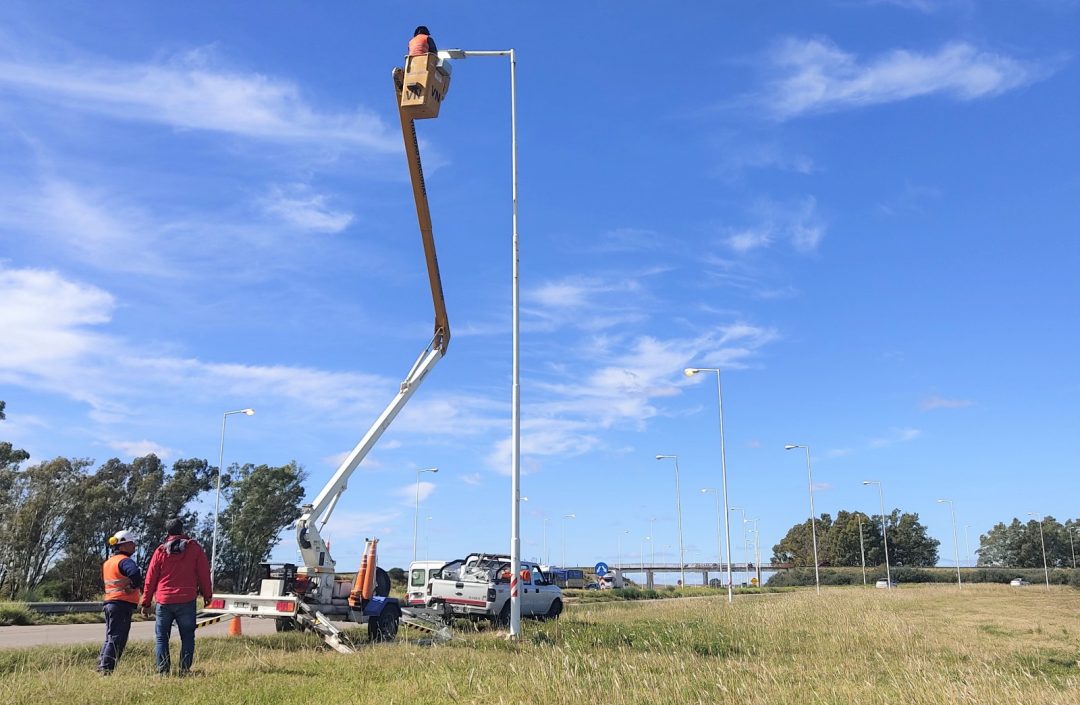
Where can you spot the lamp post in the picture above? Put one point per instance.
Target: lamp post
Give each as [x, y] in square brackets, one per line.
[813, 515]
[618, 558]
[956, 543]
[690, 372]
[515, 403]
[217, 493]
[678, 511]
[416, 510]
[1072, 546]
[757, 557]
[564, 518]
[746, 563]
[1042, 539]
[862, 550]
[719, 543]
[884, 533]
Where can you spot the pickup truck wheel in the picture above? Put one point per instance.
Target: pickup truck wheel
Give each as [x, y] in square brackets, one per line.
[385, 626]
[503, 620]
[555, 610]
[285, 624]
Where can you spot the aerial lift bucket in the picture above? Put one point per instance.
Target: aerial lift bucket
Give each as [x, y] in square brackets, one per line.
[425, 85]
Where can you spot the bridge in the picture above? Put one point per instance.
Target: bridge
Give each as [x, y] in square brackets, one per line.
[738, 570]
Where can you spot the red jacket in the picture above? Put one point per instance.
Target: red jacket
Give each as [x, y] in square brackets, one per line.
[178, 572]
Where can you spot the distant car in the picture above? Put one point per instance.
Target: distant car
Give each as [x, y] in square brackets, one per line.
[1018, 582]
[884, 584]
[592, 586]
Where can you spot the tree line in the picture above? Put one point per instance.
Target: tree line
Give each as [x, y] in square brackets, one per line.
[1014, 545]
[56, 517]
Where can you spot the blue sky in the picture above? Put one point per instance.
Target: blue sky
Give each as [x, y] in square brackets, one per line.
[866, 213]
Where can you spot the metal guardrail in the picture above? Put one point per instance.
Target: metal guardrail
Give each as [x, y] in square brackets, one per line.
[64, 607]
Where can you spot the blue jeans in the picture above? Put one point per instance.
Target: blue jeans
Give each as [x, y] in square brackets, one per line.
[184, 615]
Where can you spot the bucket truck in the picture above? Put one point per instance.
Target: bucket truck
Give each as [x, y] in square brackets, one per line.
[306, 596]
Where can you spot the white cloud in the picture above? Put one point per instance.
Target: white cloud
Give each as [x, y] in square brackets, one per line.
[472, 478]
[138, 449]
[346, 524]
[936, 402]
[408, 492]
[192, 91]
[795, 221]
[817, 76]
[297, 206]
[747, 240]
[895, 435]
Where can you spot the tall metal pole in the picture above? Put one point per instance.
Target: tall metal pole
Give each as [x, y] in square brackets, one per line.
[956, 542]
[884, 531]
[1042, 540]
[746, 566]
[1072, 546]
[416, 508]
[862, 552]
[217, 493]
[678, 512]
[813, 514]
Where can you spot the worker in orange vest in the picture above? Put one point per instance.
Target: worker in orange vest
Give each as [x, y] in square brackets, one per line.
[422, 43]
[123, 582]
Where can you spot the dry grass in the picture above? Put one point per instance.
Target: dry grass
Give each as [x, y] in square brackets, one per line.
[989, 644]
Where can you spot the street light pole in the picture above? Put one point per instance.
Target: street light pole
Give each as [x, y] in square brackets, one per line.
[884, 532]
[416, 509]
[618, 559]
[1072, 546]
[564, 518]
[678, 511]
[515, 403]
[746, 563]
[862, 551]
[813, 515]
[956, 543]
[217, 493]
[1042, 539]
[719, 544]
[690, 372]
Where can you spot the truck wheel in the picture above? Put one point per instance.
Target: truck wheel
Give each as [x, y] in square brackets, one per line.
[503, 620]
[285, 624]
[555, 610]
[385, 626]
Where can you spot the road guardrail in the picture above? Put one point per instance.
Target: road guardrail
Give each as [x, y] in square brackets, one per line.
[64, 607]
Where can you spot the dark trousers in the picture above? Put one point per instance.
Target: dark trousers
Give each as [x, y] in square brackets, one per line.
[117, 625]
[183, 614]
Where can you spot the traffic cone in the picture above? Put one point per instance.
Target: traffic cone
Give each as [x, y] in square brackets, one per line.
[234, 627]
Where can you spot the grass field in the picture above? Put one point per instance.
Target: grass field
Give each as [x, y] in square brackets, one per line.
[932, 644]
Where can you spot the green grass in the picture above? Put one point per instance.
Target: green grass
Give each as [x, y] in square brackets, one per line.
[932, 644]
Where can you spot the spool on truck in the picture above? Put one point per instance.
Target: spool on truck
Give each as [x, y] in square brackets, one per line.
[308, 595]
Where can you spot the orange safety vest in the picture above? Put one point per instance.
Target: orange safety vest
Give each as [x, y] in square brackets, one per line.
[118, 585]
[418, 45]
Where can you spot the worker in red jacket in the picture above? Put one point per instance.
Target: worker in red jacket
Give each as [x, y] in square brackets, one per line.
[178, 573]
[422, 42]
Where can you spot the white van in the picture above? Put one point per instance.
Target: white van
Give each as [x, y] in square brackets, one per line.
[420, 573]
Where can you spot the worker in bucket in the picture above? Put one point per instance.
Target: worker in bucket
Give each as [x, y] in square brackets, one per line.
[123, 581]
[177, 574]
[422, 42]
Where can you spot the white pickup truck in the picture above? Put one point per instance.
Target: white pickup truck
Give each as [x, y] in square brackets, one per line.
[479, 587]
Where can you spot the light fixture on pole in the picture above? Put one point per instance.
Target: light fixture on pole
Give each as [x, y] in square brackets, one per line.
[956, 543]
[690, 372]
[884, 533]
[719, 543]
[416, 510]
[746, 562]
[217, 493]
[813, 516]
[862, 550]
[515, 402]
[564, 518]
[678, 511]
[1042, 539]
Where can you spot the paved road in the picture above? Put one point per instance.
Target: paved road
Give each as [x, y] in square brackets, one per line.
[20, 637]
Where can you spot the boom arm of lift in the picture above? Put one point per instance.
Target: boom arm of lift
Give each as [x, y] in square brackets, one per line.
[313, 549]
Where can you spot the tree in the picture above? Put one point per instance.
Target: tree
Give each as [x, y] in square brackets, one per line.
[1019, 545]
[261, 501]
[10, 458]
[838, 541]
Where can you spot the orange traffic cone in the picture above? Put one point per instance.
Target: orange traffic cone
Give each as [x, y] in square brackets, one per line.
[234, 627]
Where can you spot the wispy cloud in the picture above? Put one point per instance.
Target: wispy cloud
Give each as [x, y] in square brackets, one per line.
[816, 76]
[137, 449]
[408, 493]
[895, 435]
[796, 222]
[300, 208]
[472, 478]
[936, 402]
[193, 90]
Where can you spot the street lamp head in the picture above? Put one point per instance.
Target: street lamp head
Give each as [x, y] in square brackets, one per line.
[453, 54]
[791, 447]
[249, 412]
[869, 482]
[665, 457]
[524, 499]
[569, 516]
[942, 501]
[691, 371]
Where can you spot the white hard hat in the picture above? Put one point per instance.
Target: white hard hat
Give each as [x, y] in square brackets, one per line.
[123, 536]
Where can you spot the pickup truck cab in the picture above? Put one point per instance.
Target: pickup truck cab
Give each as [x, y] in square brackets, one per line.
[479, 587]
